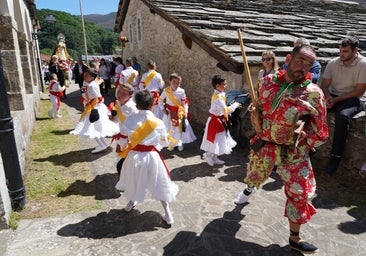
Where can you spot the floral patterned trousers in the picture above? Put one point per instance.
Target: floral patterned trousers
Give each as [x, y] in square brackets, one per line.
[297, 177]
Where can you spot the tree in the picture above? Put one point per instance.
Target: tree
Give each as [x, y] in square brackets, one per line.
[100, 41]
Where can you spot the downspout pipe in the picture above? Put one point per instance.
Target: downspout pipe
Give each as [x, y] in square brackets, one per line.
[8, 148]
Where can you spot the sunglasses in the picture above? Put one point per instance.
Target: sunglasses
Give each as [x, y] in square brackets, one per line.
[266, 59]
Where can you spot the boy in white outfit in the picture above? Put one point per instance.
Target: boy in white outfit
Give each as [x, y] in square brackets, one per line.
[217, 139]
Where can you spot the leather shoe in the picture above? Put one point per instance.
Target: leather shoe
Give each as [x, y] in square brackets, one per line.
[303, 247]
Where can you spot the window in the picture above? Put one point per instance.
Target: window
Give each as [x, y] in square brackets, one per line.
[139, 34]
[139, 30]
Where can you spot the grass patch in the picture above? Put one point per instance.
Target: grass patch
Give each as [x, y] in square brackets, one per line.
[53, 164]
[13, 220]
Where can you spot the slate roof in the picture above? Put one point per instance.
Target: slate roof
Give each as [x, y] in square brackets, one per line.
[266, 24]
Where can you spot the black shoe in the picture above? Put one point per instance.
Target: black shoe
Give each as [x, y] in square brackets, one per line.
[332, 165]
[303, 247]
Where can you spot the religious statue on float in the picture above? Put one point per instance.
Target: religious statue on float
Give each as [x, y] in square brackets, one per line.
[64, 59]
[60, 49]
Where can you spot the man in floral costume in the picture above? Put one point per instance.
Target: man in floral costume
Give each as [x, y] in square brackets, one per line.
[293, 121]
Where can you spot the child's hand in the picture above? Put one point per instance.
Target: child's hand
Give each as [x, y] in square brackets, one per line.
[235, 105]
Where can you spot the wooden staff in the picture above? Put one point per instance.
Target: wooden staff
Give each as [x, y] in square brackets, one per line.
[254, 105]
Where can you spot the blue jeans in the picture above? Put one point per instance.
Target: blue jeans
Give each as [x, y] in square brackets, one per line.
[344, 111]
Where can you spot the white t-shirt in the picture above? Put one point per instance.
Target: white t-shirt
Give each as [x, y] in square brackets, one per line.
[344, 78]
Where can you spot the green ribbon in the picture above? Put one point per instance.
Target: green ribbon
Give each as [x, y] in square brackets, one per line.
[279, 78]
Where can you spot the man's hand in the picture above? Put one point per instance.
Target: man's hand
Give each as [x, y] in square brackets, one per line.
[330, 102]
[299, 132]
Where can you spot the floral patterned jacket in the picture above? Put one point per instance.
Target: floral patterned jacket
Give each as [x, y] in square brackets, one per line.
[282, 106]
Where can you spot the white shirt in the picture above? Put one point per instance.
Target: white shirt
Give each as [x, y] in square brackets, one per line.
[156, 83]
[125, 75]
[344, 78]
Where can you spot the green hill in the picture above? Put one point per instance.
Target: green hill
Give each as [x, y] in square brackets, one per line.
[100, 40]
[106, 21]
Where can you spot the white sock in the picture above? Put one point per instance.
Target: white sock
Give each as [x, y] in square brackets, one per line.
[210, 155]
[100, 142]
[166, 208]
[104, 142]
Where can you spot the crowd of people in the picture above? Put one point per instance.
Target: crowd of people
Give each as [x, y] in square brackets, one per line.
[148, 116]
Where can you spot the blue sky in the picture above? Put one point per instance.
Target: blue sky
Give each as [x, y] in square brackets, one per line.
[73, 6]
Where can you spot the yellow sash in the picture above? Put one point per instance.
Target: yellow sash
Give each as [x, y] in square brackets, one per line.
[88, 107]
[222, 97]
[132, 77]
[176, 102]
[120, 115]
[149, 78]
[139, 135]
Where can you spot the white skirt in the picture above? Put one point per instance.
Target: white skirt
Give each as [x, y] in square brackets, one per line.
[183, 137]
[101, 128]
[223, 143]
[143, 171]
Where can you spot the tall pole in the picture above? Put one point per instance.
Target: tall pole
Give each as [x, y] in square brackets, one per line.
[82, 22]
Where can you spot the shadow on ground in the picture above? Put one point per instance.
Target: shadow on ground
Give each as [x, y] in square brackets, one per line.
[102, 187]
[218, 238]
[70, 158]
[115, 223]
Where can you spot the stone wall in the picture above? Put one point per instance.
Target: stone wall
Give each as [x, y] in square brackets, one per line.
[22, 82]
[171, 54]
[355, 152]
[162, 42]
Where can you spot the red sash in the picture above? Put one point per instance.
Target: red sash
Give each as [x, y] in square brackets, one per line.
[156, 95]
[214, 126]
[173, 110]
[118, 136]
[57, 94]
[147, 148]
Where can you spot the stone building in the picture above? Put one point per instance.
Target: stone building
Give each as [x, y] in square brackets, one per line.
[198, 39]
[21, 81]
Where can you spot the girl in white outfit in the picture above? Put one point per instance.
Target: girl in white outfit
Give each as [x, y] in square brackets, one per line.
[94, 121]
[174, 104]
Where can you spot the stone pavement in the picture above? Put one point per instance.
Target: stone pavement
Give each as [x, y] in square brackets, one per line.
[207, 222]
